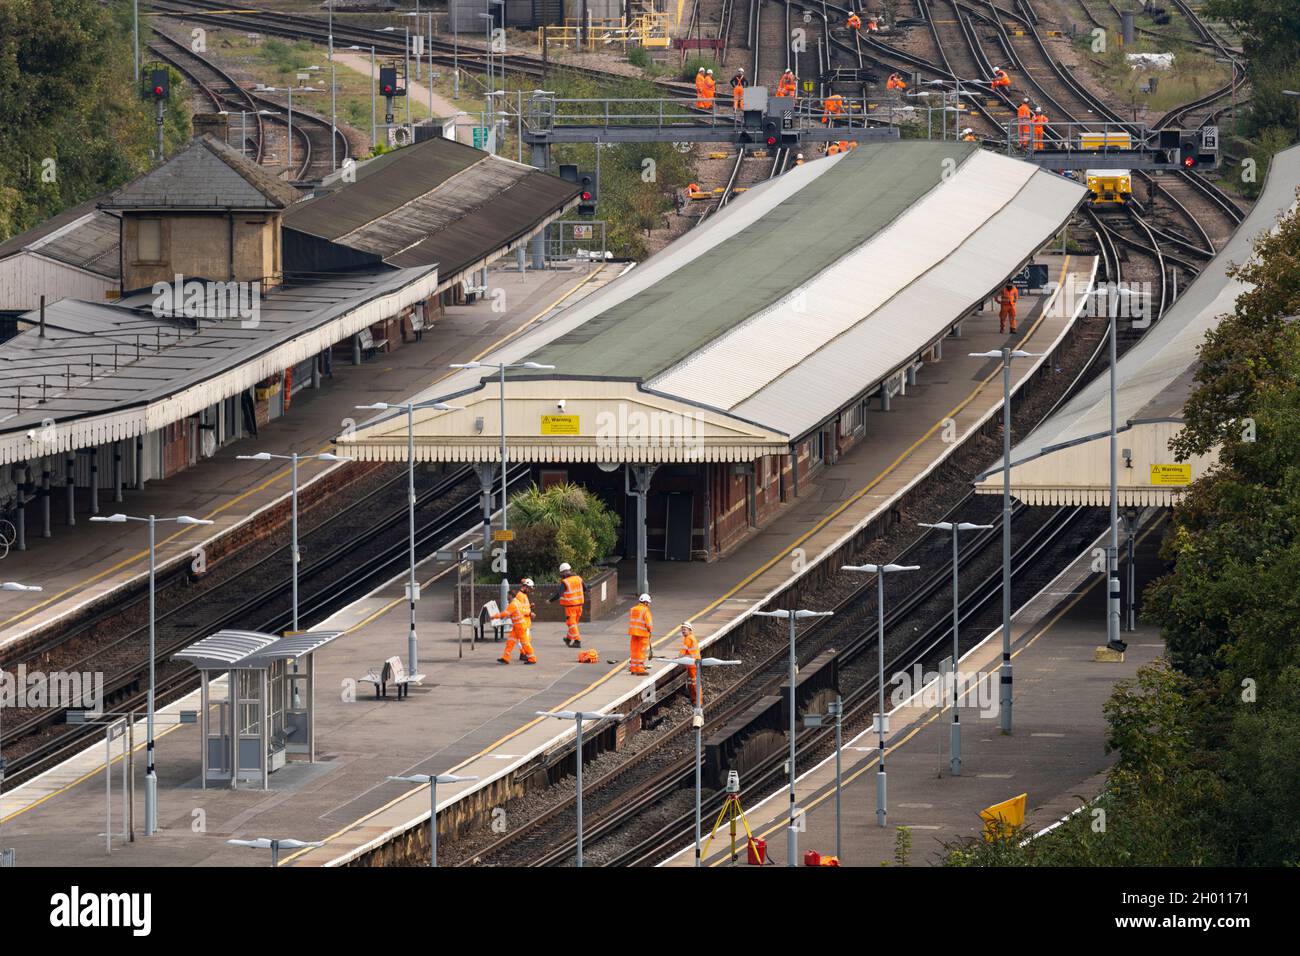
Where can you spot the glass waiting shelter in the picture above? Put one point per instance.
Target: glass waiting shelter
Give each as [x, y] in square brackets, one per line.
[265, 713]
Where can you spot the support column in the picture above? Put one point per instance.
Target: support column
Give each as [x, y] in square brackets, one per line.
[938, 350]
[315, 372]
[637, 483]
[94, 480]
[139, 463]
[521, 258]
[20, 508]
[884, 396]
[117, 471]
[541, 159]
[72, 488]
[356, 350]
[794, 469]
[45, 501]
[911, 375]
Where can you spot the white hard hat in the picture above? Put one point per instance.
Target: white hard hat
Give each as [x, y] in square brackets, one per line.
[687, 626]
[740, 70]
[565, 567]
[527, 582]
[710, 72]
[701, 69]
[963, 132]
[644, 599]
[800, 156]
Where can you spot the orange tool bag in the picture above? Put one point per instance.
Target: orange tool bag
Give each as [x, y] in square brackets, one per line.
[588, 657]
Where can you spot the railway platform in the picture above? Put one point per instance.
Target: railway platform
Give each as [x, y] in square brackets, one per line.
[475, 717]
[1056, 752]
[87, 562]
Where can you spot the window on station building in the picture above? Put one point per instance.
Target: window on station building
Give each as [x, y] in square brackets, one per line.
[149, 240]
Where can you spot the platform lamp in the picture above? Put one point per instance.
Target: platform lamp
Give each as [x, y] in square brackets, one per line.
[1004, 696]
[1113, 625]
[413, 590]
[294, 554]
[501, 368]
[954, 759]
[880, 570]
[791, 838]
[578, 716]
[432, 779]
[151, 773]
[262, 843]
[697, 721]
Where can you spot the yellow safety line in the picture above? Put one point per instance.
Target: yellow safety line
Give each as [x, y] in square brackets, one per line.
[610, 674]
[871, 762]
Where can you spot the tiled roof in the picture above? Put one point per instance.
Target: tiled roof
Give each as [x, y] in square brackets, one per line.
[207, 174]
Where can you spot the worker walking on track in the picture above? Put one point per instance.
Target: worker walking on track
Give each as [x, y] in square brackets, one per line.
[520, 612]
[1000, 78]
[639, 628]
[786, 85]
[833, 106]
[700, 77]
[710, 89]
[1007, 301]
[738, 84]
[896, 82]
[855, 21]
[690, 648]
[1040, 128]
[1024, 121]
[572, 595]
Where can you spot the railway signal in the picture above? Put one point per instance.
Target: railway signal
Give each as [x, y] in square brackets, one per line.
[587, 198]
[159, 85]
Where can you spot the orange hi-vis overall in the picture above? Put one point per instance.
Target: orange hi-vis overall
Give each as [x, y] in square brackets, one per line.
[708, 91]
[1007, 299]
[833, 106]
[639, 624]
[1024, 118]
[572, 600]
[738, 93]
[786, 85]
[1040, 130]
[700, 103]
[520, 612]
[691, 647]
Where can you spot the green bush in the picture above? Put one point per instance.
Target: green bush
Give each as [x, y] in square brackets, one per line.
[563, 523]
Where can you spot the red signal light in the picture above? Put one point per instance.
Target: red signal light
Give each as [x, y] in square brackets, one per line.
[771, 141]
[388, 90]
[1189, 161]
[586, 196]
[157, 91]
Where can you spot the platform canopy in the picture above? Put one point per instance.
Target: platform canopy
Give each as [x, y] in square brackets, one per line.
[1066, 460]
[758, 327]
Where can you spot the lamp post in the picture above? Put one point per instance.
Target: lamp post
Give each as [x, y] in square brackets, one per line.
[291, 90]
[954, 760]
[151, 774]
[262, 843]
[505, 521]
[294, 555]
[578, 716]
[697, 721]
[1113, 640]
[791, 837]
[433, 779]
[1004, 697]
[880, 570]
[412, 650]
[334, 119]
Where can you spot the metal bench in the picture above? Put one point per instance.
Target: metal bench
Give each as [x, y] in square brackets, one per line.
[369, 344]
[392, 671]
[485, 622]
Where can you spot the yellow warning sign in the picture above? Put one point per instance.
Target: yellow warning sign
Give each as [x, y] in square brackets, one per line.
[560, 425]
[1171, 474]
[506, 535]
[1002, 818]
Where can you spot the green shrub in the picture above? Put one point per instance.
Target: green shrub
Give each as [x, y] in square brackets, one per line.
[563, 523]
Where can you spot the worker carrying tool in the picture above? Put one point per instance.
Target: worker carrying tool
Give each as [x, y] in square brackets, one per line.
[572, 595]
[640, 625]
[832, 106]
[690, 648]
[786, 86]
[710, 89]
[968, 135]
[1024, 121]
[1000, 78]
[895, 82]
[738, 84]
[520, 612]
[700, 77]
[855, 21]
[1007, 300]
[1040, 128]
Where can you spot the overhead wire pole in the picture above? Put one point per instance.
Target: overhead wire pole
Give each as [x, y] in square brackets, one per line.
[334, 118]
[578, 716]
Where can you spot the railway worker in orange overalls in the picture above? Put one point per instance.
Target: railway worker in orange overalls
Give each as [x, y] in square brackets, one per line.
[895, 82]
[639, 627]
[786, 86]
[833, 149]
[710, 89]
[572, 595]
[872, 25]
[1007, 300]
[1000, 78]
[1024, 120]
[833, 106]
[690, 648]
[798, 160]
[1040, 128]
[699, 90]
[520, 612]
[855, 21]
[968, 135]
[738, 84]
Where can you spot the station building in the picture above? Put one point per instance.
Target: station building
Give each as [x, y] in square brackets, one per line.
[231, 292]
[711, 382]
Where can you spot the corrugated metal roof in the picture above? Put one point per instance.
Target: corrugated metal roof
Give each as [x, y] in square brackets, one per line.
[225, 649]
[50, 226]
[436, 202]
[1155, 375]
[206, 174]
[89, 242]
[799, 237]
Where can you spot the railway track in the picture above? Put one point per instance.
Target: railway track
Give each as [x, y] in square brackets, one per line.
[358, 549]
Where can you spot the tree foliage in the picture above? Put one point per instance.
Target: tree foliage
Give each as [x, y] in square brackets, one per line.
[72, 123]
[564, 523]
